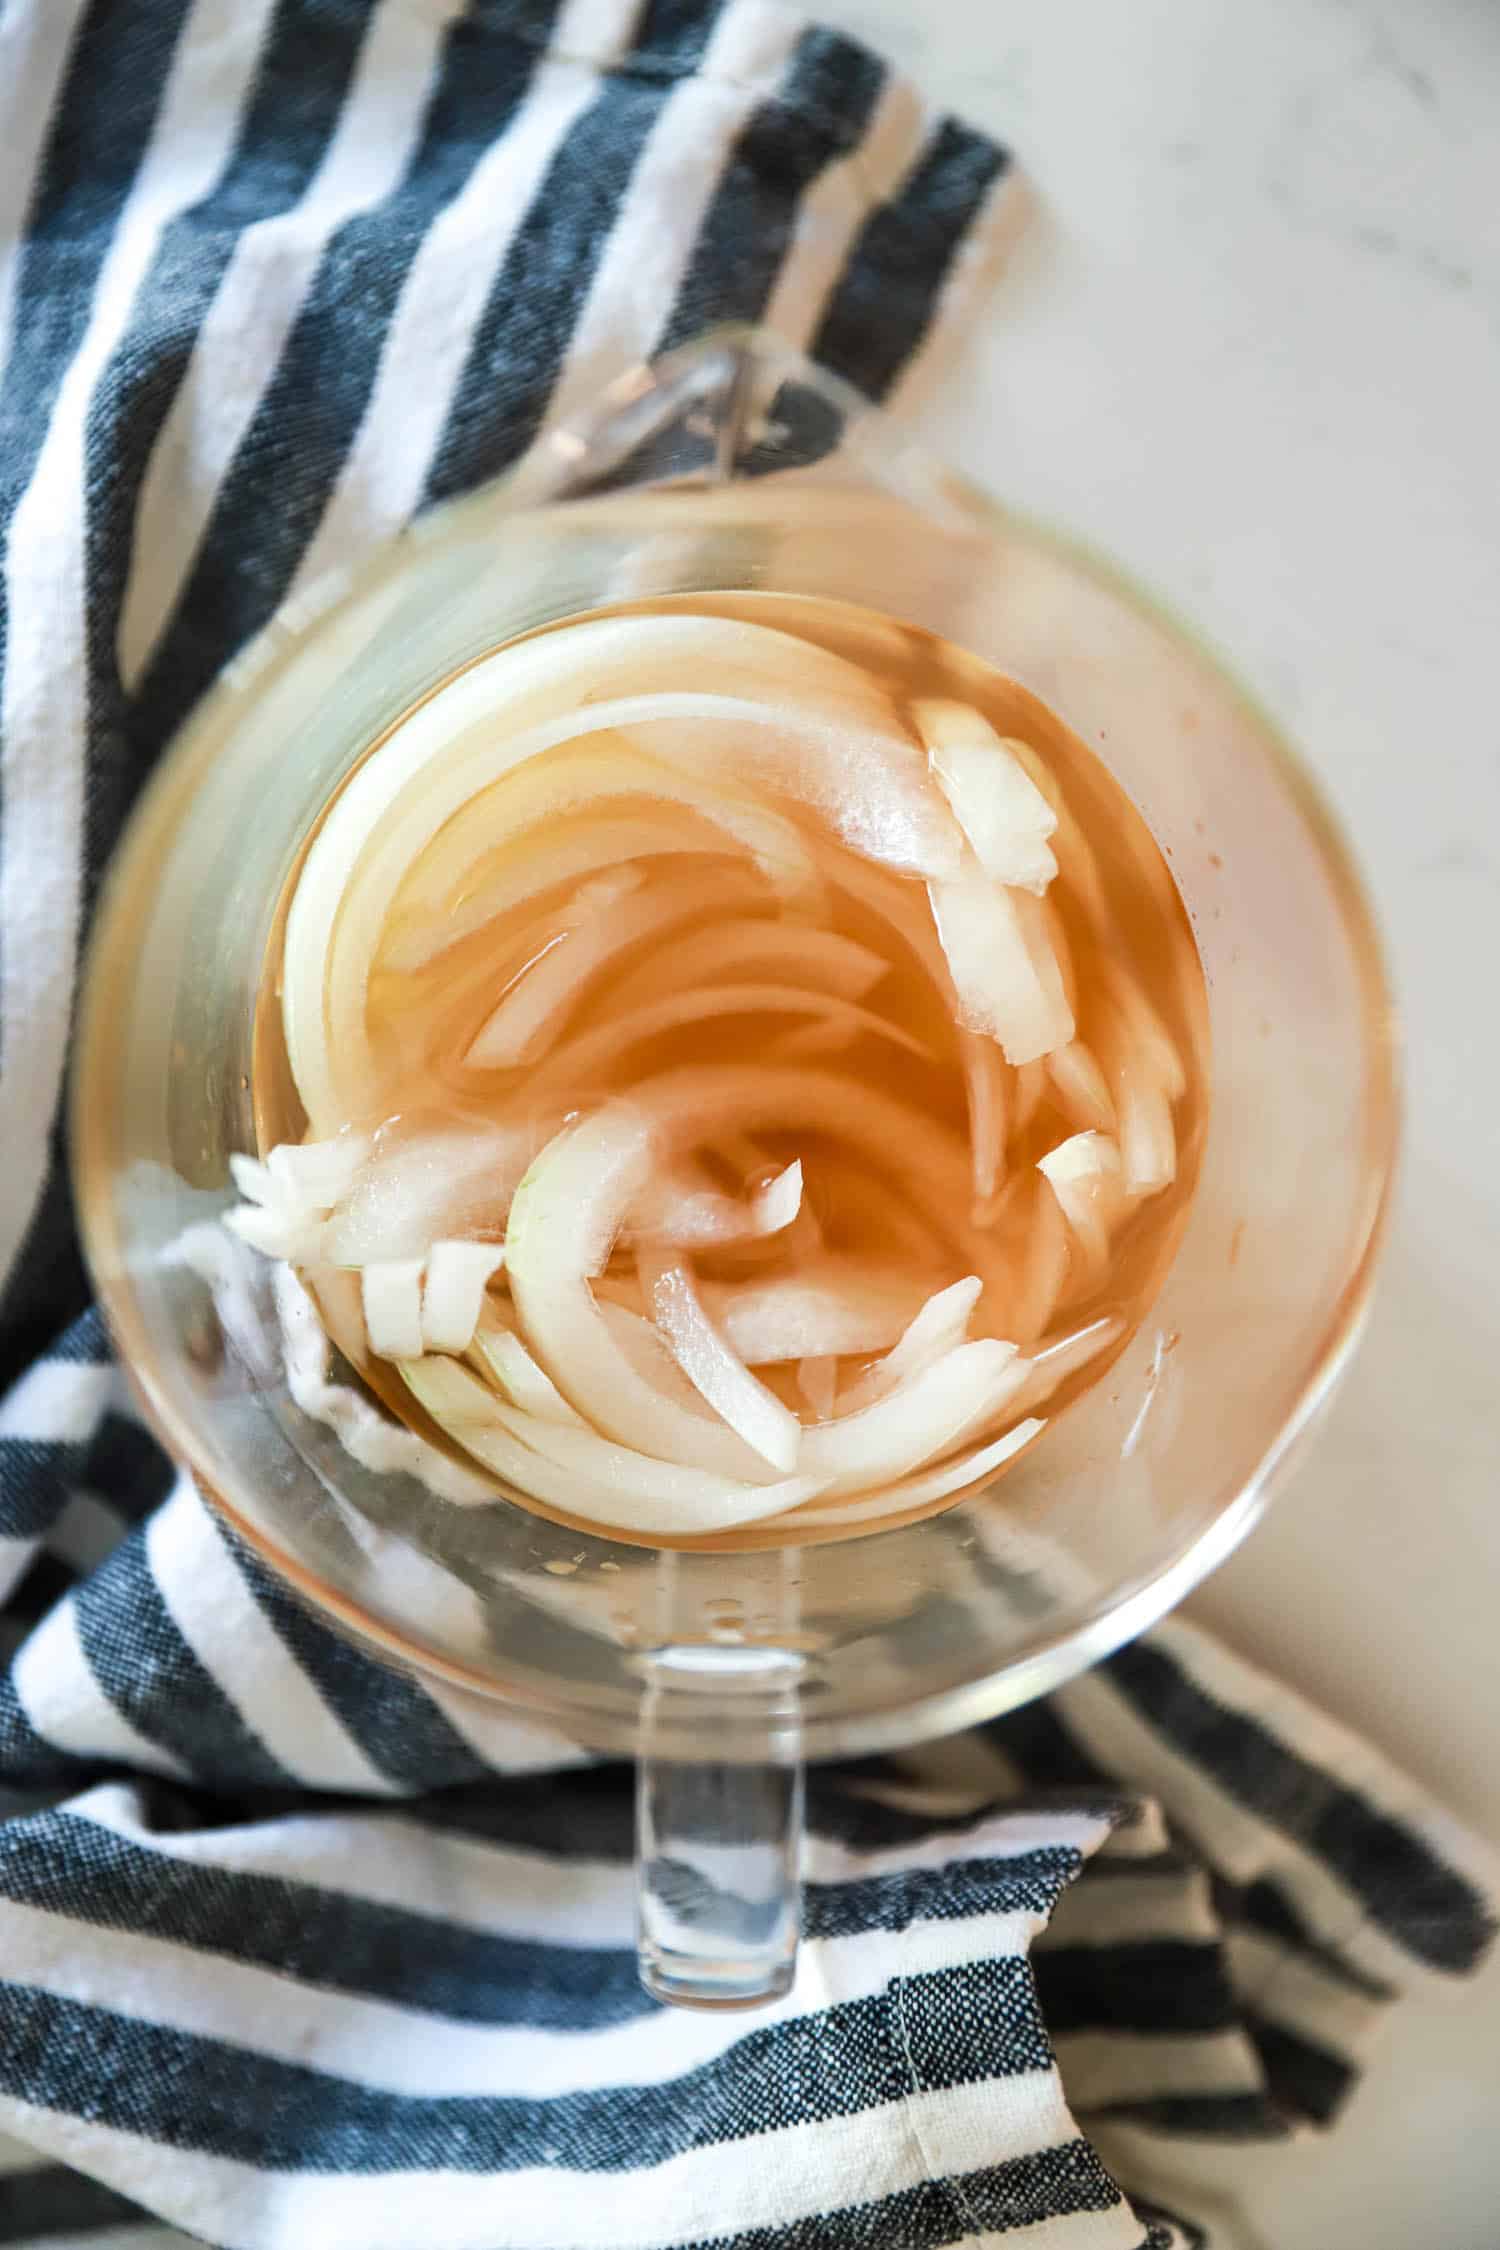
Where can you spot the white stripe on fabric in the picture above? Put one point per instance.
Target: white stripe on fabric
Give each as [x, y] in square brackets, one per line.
[390, 1860]
[678, 170]
[58, 1401]
[64, 1703]
[445, 293]
[1234, 1840]
[35, 46]
[206, 1596]
[836, 207]
[406, 2050]
[386, 1860]
[265, 284]
[18, 2156]
[770, 2179]
[16, 1558]
[1102, 2068]
[44, 717]
[1291, 1989]
[501, 1735]
[1109, 1910]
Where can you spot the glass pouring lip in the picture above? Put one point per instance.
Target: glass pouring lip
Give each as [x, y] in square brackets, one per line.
[1119, 1615]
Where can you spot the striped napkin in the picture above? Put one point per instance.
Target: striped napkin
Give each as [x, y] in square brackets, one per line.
[296, 1954]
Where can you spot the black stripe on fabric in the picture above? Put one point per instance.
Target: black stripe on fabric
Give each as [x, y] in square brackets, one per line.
[37, 2205]
[36, 1476]
[28, 1761]
[1160, 1985]
[1265, 1908]
[302, 78]
[817, 114]
[521, 340]
[39, 1589]
[71, 1865]
[997, 2199]
[1207, 2116]
[1307, 2080]
[950, 2028]
[1417, 1899]
[889, 290]
[1169, 2230]
[1039, 1741]
[126, 1467]
[274, 496]
[145, 1667]
[396, 1723]
[68, 1864]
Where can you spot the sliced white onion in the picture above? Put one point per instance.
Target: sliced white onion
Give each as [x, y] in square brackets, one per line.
[472, 1415]
[580, 1060]
[492, 871]
[563, 1223]
[534, 1010]
[1147, 1137]
[920, 1418]
[939, 1328]
[818, 1385]
[712, 1367]
[277, 1233]
[318, 1173]
[1081, 1087]
[425, 1183]
[391, 1294]
[984, 1091]
[1086, 1176]
[1004, 969]
[682, 1211]
[255, 1181]
[744, 950]
[831, 1307]
[1051, 1363]
[968, 1468]
[453, 1292]
[524, 1383]
[997, 804]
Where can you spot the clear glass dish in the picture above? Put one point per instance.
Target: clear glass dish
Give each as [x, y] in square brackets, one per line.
[731, 465]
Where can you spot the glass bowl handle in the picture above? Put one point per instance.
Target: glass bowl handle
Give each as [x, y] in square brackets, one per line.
[719, 1798]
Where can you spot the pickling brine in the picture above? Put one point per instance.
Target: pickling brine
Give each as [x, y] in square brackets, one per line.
[731, 1067]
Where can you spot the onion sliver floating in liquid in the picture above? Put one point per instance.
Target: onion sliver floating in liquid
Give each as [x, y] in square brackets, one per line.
[459, 1403]
[824, 721]
[484, 865]
[741, 952]
[835, 1307]
[687, 1211]
[997, 804]
[711, 1367]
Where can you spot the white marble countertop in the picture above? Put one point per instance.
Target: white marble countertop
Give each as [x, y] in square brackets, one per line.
[1250, 340]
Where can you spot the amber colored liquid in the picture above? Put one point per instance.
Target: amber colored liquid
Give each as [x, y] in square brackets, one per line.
[1150, 940]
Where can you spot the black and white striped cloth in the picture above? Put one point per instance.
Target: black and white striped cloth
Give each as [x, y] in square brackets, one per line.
[296, 1954]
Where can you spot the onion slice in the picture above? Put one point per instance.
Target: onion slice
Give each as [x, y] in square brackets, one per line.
[712, 1367]
[563, 1223]
[744, 950]
[827, 1308]
[391, 1294]
[940, 1326]
[920, 1418]
[995, 801]
[453, 1292]
[1005, 971]
[471, 1414]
